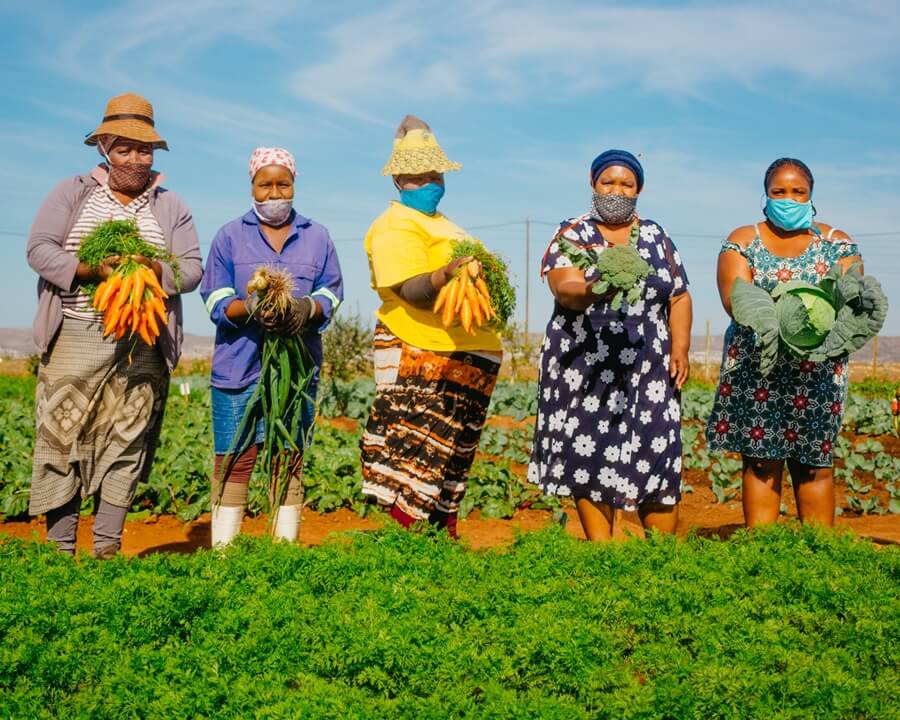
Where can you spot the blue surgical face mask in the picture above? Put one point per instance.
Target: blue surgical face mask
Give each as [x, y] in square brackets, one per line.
[790, 214]
[424, 199]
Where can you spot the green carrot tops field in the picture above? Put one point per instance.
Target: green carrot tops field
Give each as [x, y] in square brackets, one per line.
[784, 623]
[787, 622]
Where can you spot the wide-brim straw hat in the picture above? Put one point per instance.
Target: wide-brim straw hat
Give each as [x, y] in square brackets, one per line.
[129, 116]
[416, 151]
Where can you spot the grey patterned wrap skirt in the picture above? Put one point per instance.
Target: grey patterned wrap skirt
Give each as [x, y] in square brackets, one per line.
[98, 416]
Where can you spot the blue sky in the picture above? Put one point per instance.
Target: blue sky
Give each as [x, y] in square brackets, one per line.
[523, 94]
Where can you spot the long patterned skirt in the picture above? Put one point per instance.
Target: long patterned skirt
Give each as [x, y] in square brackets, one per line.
[424, 426]
[98, 416]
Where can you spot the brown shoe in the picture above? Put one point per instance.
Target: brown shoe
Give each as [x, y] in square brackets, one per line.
[107, 552]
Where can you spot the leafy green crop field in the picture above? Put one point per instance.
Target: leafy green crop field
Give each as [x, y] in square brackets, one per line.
[179, 481]
[774, 624]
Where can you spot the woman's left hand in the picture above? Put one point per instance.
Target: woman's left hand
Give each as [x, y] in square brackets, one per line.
[152, 264]
[679, 367]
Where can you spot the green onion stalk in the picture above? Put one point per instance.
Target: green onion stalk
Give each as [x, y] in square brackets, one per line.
[287, 371]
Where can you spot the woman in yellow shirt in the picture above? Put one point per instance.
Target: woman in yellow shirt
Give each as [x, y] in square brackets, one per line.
[433, 384]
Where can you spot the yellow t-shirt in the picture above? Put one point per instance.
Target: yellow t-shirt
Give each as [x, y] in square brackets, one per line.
[402, 243]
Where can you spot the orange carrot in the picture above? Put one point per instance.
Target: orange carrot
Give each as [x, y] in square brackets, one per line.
[110, 319]
[142, 330]
[153, 282]
[466, 315]
[461, 293]
[106, 290]
[442, 296]
[477, 315]
[450, 302]
[125, 289]
[152, 325]
[472, 267]
[137, 290]
[135, 319]
[160, 308]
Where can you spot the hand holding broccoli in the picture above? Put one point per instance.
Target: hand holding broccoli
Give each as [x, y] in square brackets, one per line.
[620, 270]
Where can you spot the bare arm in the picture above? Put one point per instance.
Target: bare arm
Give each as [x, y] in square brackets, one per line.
[681, 317]
[571, 289]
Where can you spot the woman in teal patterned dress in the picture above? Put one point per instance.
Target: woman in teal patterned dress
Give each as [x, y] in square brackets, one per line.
[794, 414]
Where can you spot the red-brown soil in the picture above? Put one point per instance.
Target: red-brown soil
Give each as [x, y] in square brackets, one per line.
[699, 513]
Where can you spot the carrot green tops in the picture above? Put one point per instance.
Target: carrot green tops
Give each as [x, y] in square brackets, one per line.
[401, 244]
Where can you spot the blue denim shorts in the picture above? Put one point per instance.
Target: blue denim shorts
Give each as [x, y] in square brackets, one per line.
[228, 407]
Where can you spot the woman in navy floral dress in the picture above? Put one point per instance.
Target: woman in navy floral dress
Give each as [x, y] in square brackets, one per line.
[793, 414]
[608, 430]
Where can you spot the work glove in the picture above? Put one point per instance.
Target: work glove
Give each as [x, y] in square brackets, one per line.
[296, 316]
[266, 318]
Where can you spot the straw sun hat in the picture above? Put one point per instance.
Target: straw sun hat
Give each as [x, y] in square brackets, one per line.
[129, 116]
[416, 151]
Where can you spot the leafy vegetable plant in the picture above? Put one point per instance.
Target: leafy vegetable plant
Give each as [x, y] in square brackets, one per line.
[816, 322]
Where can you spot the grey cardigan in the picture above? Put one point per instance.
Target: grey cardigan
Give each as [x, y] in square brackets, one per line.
[56, 267]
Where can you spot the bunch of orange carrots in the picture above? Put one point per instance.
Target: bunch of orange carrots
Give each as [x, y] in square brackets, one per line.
[132, 301]
[465, 299]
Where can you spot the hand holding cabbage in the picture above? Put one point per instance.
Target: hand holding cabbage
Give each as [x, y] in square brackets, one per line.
[814, 322]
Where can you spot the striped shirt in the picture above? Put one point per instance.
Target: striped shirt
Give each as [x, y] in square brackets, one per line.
[101, 206]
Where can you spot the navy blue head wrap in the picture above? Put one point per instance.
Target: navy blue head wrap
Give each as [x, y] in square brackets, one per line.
[617, 157]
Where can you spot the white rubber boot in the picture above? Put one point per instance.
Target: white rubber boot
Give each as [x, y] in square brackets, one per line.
[226, 524]
[287, 523]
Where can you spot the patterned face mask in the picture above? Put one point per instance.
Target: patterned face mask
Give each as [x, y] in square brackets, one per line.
[612, 208]
[130, 177]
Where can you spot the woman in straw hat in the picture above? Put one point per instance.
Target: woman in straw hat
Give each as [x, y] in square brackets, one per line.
[271, 233]
[100, 401]
[433, 384]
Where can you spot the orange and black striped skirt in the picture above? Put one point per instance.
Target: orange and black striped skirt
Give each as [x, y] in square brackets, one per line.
[424, 427]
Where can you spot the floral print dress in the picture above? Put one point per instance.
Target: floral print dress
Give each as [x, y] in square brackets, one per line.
[609, 418]
[794, 413]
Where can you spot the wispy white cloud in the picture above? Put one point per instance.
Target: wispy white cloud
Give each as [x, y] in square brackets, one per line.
[160, 41]
[513, 51]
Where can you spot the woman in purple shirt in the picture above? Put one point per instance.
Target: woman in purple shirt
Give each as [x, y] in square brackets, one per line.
[271, 233]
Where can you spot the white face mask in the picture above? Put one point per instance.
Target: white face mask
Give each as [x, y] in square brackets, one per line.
[273, 212]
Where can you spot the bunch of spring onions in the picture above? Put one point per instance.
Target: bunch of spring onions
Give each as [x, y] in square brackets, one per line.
[287, 369]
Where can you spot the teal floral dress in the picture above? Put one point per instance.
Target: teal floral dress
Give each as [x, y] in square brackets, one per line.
[794, 413]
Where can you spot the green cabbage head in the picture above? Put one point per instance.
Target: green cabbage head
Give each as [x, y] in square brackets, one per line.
[805, 314]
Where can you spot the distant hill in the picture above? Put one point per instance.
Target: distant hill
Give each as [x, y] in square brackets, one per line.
[888, 349]
[17, 343]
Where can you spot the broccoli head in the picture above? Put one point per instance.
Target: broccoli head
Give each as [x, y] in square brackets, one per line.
[622, 269]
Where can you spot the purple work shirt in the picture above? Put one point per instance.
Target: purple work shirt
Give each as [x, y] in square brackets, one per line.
[237, 250]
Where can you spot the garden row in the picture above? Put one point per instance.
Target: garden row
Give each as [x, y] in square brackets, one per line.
[179, 480]
[772, 624]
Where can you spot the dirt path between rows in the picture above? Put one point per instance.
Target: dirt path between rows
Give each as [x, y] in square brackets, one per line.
[699, 513]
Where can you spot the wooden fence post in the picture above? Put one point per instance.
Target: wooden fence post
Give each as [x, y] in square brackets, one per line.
[875, 357]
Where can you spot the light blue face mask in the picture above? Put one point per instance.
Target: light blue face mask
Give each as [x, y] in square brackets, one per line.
[790, 214]
[424, 199]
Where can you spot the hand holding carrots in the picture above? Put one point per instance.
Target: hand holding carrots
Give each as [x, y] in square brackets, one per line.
[465, 298]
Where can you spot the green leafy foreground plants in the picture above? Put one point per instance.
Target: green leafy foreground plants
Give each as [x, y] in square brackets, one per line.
[779, 623]
[815, 322]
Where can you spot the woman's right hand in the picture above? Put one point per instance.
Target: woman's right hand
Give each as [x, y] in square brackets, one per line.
[442, 276]
[107, 267]
[88, 274]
